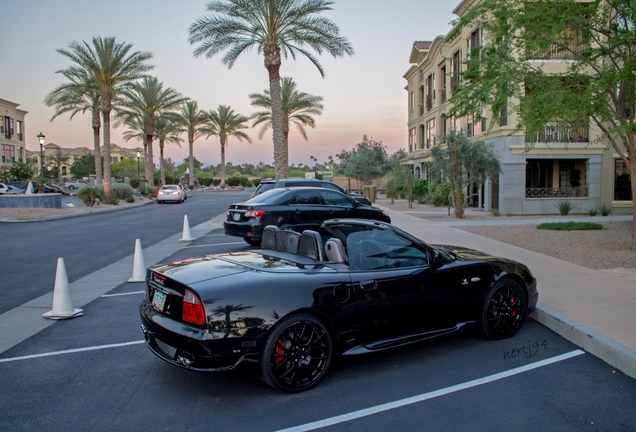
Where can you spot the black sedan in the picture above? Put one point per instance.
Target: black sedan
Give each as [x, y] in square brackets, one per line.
[349, 287]
[286, 207]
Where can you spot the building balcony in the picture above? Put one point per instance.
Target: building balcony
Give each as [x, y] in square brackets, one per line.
[559, 132]
[429, 102]
[556, 192]
[442, 95]
[571, 51]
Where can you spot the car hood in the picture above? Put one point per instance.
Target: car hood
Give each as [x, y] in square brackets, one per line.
[194, 270]
[467, 254]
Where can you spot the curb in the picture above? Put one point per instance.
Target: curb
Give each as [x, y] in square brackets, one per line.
[597, 344]
[75, 214]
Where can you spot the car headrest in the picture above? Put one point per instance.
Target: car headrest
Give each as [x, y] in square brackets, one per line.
[270, 233]
[335, 251]
[310, 245]
[287, 241]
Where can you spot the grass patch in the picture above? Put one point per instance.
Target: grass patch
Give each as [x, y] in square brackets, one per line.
[570, 226]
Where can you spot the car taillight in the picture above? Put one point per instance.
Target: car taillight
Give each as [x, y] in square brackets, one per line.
[254, 213]
[192, 309]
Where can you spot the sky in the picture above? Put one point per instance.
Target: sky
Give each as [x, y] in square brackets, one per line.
[363, 94]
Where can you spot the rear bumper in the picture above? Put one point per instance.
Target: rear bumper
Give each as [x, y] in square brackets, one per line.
[243, 229]
[192, 351]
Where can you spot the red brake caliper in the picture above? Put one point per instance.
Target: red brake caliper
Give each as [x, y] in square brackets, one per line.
[279, 352]
[514, 313]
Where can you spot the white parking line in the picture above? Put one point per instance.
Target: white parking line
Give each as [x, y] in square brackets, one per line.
[122, 294]
[212, 245]
[430, 395]
[76, 350]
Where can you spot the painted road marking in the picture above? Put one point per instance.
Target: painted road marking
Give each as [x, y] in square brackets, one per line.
[430, 395]
[122, 294]
[76, 350]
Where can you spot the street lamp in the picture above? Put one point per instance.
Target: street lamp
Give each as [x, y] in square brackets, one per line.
[138, 155]
[41, 141]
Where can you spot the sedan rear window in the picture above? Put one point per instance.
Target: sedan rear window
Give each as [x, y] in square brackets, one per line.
[269, 197]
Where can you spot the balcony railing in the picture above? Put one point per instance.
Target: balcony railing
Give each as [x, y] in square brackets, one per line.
[431, 142]
[556, 52]
[556, 192]
[429, 102]
[559, 132]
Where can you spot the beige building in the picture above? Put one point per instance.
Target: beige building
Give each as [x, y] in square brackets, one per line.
[562, 164]
[12, 133]
[52, 152]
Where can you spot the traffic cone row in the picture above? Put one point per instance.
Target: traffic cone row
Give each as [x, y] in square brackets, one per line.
[62, 304]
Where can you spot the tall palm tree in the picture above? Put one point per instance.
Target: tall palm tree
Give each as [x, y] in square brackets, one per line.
[166, 131]
[224, 123]
[298, 108]
[110, 67]
[273, 27]
[136, 130]
[147, 99]
[190, 120]
[78, 96]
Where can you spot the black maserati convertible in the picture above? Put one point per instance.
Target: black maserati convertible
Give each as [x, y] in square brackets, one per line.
[349, 286]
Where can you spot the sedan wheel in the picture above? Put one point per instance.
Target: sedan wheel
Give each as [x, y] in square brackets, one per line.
[297, 354]
[505, 310]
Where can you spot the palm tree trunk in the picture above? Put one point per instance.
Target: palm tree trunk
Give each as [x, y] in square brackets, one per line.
[223, 162]
[149, 166]
[272, 64]
[161, 168]
[106, 152]
[191, 157]
[96, 148]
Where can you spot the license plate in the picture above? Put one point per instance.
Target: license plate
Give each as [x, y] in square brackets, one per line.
[159, 300]
[236, 216]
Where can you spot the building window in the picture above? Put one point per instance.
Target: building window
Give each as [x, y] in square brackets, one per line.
[456, 64]
[8, 125]
[622, 182]
[551, 178]
[503, 115]
[412, 101]
[411, 140]
[8, 153]
[430, 133]
[18, 128]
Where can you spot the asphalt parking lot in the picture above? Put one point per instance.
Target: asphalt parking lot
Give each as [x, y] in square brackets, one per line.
[95, 373]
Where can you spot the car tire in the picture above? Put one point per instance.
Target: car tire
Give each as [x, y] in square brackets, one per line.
[252, 241]
[71, 187]
[296, 354]
[505, 309]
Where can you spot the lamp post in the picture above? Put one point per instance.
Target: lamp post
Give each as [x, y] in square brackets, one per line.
[41, 141]
[138, 155]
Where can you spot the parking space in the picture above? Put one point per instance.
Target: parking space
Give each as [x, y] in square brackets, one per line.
[95, 373]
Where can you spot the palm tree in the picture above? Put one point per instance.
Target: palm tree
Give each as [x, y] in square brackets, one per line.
[273, 27]
[224, 123]
[78, 96]
[58, 158]
[147, 99]
[190, 120]
[136, 130]
[166, 131]
[109, 67]
[298, 108]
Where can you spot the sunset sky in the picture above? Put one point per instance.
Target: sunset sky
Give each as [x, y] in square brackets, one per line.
[363, 94]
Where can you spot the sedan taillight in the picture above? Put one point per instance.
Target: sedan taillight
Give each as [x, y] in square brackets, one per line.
[192, 309]
[249, 214]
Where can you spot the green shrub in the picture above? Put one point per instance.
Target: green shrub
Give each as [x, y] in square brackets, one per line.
[441, 194]
[296, 173]
[122, 191]
[565, 207]
[592, 212]
[606, 209]
[147, 191]
[569, 226]
[495, 212]
[216, 181]
[90, 194]
[134, 183]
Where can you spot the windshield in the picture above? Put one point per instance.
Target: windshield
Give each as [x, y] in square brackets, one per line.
[269, 197]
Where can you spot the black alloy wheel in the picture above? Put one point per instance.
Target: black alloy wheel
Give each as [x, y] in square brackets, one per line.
[252, 241]
[505, 310]
[297, 354]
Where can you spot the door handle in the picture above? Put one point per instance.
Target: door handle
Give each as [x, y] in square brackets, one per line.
[368, 285]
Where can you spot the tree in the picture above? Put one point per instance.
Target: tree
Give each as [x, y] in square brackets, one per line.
[224, 123]
[58, 158]
[109, 67]
[367, 162]
[144, 101]
[298, 109]
[78, 95]
[598, 83]
[127, 167]
[273, 27]
[84, 166]
[21, 171]
[460, 163]
[189, 120]
[166, 131]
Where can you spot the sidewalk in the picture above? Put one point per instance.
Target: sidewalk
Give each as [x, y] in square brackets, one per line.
[593, 309]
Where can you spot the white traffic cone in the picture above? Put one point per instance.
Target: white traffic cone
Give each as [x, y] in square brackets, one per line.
[62, 305]
[139, 267]
[187, 237]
